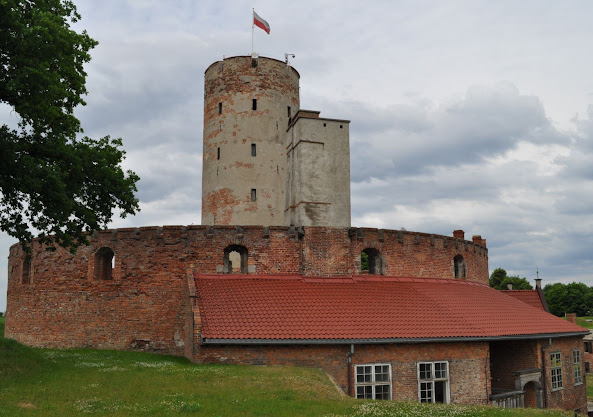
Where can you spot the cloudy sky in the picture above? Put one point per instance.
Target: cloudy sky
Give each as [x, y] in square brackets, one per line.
[473, 115]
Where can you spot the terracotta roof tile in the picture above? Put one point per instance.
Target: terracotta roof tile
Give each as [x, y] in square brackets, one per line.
[297, 308]
[530, 297]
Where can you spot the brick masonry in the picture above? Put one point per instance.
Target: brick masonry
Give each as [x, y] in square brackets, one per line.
[150, 304]
[144, 305]
[469, 384]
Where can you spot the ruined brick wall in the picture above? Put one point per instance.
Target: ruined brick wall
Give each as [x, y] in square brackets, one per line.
[231, 168]
[336, 251]
[468, 364]
[64, 305]
[146, 304]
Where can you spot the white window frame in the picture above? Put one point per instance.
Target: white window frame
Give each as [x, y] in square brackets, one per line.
[556, 382]
[432, 379]
[372, 383]
[577, 371]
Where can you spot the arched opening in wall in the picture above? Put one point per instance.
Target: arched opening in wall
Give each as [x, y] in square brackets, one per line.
[26, 278]
[530, 395]
[235, 259]
[104, 263]
[459, 267]
[370, 261]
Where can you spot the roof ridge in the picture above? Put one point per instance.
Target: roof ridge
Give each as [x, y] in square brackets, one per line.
[336, 279]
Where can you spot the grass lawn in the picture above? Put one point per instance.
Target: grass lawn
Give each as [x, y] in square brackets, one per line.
[48, 382]
[582, 321]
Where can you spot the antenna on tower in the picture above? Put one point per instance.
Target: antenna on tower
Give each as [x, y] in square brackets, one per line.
[537, 271]
[286, 55]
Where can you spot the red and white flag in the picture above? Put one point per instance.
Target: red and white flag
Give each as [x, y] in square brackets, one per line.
[260, 23]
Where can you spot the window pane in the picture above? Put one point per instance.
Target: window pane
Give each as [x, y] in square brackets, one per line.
[382, 373]
[364, 374]
[365, 391]
[382, 392]
[440, 370]
[425, 371]
[426, 392]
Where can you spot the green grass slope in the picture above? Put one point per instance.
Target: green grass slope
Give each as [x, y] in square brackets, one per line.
[37, 382]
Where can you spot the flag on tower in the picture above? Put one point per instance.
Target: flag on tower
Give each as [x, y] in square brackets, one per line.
[260, 23]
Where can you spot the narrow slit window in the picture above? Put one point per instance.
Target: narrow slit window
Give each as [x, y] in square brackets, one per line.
[253, 194]
[104, 263]
[26, 277]
[254, 104]
[288, 107]
[219, 108]
[218, 153]
[253, 149]
[459, 267]
[254, 63]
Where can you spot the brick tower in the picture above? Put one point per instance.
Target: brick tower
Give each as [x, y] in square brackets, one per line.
[248, 106]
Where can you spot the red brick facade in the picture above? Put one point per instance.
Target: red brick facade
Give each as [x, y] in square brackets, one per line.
[150, 302]
[469, 383]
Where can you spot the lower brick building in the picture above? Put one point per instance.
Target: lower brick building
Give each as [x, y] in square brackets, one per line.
[387, 314]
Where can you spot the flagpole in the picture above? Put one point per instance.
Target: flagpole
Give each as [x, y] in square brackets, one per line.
[252, 30]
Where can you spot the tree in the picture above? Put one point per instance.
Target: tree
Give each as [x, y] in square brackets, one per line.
[518, 283]
[496, 278]
[364, 261]
[499, 280]
[52, 182]
[556, 296]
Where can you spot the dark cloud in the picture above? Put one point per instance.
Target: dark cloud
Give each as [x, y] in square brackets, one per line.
[410, 139]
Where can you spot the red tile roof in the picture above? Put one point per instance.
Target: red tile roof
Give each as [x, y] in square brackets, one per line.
[292, 308]
[530, 297]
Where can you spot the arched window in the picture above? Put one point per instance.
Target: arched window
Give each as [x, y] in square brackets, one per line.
[370, 261]
[235, 259]
[459, 267]
[26, 279]
[104, 262]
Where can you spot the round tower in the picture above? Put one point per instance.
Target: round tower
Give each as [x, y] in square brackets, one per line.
[248, 104]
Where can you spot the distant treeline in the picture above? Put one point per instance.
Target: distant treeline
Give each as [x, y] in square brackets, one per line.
[575, 297]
